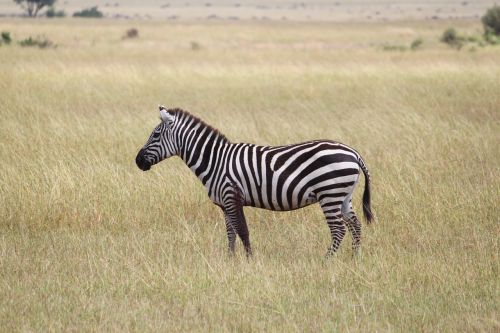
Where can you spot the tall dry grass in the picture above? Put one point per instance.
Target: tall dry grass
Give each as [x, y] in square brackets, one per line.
[88, 242]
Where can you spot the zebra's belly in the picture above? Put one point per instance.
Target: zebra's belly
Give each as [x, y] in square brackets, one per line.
[279, 208]
[330, 190]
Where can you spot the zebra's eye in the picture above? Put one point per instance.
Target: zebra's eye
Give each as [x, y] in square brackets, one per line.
[156, 134]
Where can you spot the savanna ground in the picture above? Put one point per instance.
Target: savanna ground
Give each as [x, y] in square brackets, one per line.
[88, 242]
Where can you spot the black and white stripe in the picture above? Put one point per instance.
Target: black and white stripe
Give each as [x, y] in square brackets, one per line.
[276, 178]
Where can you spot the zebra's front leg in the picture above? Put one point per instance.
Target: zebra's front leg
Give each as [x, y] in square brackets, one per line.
[242, 230]
[236, 217]
[231, 232]
[233, 208]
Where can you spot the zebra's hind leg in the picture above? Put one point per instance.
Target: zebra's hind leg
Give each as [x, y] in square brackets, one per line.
[333, 215]
[354, 227]
[353, 224]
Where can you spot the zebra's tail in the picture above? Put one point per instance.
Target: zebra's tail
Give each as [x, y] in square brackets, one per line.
[367, 212]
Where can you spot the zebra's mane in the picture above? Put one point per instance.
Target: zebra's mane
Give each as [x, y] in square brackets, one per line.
[184, 114]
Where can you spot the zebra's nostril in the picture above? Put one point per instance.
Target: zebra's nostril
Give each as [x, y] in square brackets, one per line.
[139, 158]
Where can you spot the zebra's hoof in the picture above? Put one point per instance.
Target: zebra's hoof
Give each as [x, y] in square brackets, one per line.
[356, 253]
[329, 254]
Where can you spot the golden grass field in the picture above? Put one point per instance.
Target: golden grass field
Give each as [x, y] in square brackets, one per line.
[88, 242]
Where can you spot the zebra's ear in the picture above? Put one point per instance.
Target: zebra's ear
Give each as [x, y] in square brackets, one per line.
[165, 116]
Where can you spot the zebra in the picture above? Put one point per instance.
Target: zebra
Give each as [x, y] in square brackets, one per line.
[278, 178]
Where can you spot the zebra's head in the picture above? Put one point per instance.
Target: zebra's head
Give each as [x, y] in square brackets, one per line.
[161, 143]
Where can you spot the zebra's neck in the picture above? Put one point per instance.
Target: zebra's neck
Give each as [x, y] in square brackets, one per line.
[199, 145]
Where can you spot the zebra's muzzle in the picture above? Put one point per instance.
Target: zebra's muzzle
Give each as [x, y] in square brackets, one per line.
[142, 162]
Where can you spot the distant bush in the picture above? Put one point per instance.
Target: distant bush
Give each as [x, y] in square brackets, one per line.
[52, 12]
[492, 39]
[40, 41]
[132, 33]
[491, 21]
[89, 12]
[451, 37]
[473, 39]
[195, 46]
[391, 47]
[6, 39]
[30, 41]
[416, 43]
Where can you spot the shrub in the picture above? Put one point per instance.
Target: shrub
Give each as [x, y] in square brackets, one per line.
[416, 43]
[474, 39]
[451, 37]
[40, 41]
[28, 42]
[195, 46]
[391, 47]
[89, 12]
[6, 37]
[492, 39]
[52, 12]
[491, 21]
[132, 33]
